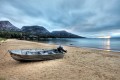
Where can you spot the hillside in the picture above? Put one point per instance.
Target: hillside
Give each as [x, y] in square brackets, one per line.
[9, 30]
[7, 26]
[64, 34]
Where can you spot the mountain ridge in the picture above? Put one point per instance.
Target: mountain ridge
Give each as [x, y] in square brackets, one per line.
[37, 30]
[65, 34]
[7, 26]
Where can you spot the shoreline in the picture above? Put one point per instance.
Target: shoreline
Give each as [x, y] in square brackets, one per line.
[97, 49]
[80, 47]
[95, 64]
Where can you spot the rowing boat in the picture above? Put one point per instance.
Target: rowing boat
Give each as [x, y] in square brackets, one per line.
[37, 54]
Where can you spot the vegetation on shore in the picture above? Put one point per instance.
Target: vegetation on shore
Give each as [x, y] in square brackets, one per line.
[27, 35]
[9, 34]
[20, 35]
[2, 39]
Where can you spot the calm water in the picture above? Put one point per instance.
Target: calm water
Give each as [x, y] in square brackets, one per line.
[107, 44]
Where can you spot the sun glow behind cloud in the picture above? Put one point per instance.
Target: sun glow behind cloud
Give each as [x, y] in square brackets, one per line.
[104, 37]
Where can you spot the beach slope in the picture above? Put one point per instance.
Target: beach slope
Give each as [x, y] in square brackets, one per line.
[77, 64]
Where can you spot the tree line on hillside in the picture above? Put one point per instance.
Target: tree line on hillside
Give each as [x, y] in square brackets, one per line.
[22, 35]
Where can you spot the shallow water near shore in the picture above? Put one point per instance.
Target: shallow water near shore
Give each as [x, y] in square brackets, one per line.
[99, 43]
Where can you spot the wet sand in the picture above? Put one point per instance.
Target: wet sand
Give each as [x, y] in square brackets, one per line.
[77, 64]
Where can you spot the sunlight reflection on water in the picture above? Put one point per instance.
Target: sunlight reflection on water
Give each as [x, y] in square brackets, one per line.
[107, 44]
[99, 43]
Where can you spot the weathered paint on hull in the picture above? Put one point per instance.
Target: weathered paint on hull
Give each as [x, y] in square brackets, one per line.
[36, 57]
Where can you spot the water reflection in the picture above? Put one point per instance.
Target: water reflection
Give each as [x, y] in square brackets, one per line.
[100, 43]
[107, 44]
[58, 41]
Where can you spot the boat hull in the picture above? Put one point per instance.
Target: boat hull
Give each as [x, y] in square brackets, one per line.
[19, 57]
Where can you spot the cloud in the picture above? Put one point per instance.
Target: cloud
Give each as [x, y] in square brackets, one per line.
[84, 17]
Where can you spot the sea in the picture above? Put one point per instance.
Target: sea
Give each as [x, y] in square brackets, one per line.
[110, 44]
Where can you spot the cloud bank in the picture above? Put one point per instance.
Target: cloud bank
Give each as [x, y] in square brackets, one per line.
[84, 17]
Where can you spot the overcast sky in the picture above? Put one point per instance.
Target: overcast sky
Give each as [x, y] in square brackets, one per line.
[89, 18]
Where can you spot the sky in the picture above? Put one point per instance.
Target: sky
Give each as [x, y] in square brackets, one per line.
[89, 18]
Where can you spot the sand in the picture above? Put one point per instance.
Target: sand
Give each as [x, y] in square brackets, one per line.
[77, 64]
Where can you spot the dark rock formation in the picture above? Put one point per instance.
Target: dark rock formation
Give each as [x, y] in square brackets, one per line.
[7, 26]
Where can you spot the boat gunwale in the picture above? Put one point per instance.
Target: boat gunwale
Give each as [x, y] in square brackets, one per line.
[10, 51]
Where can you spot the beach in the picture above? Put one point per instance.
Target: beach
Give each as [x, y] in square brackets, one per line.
[77, 64]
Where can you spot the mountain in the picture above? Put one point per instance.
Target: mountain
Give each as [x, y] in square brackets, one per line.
[42, 32]
[38, 31]
[7, 26]
[64, 34]
[35, 30]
